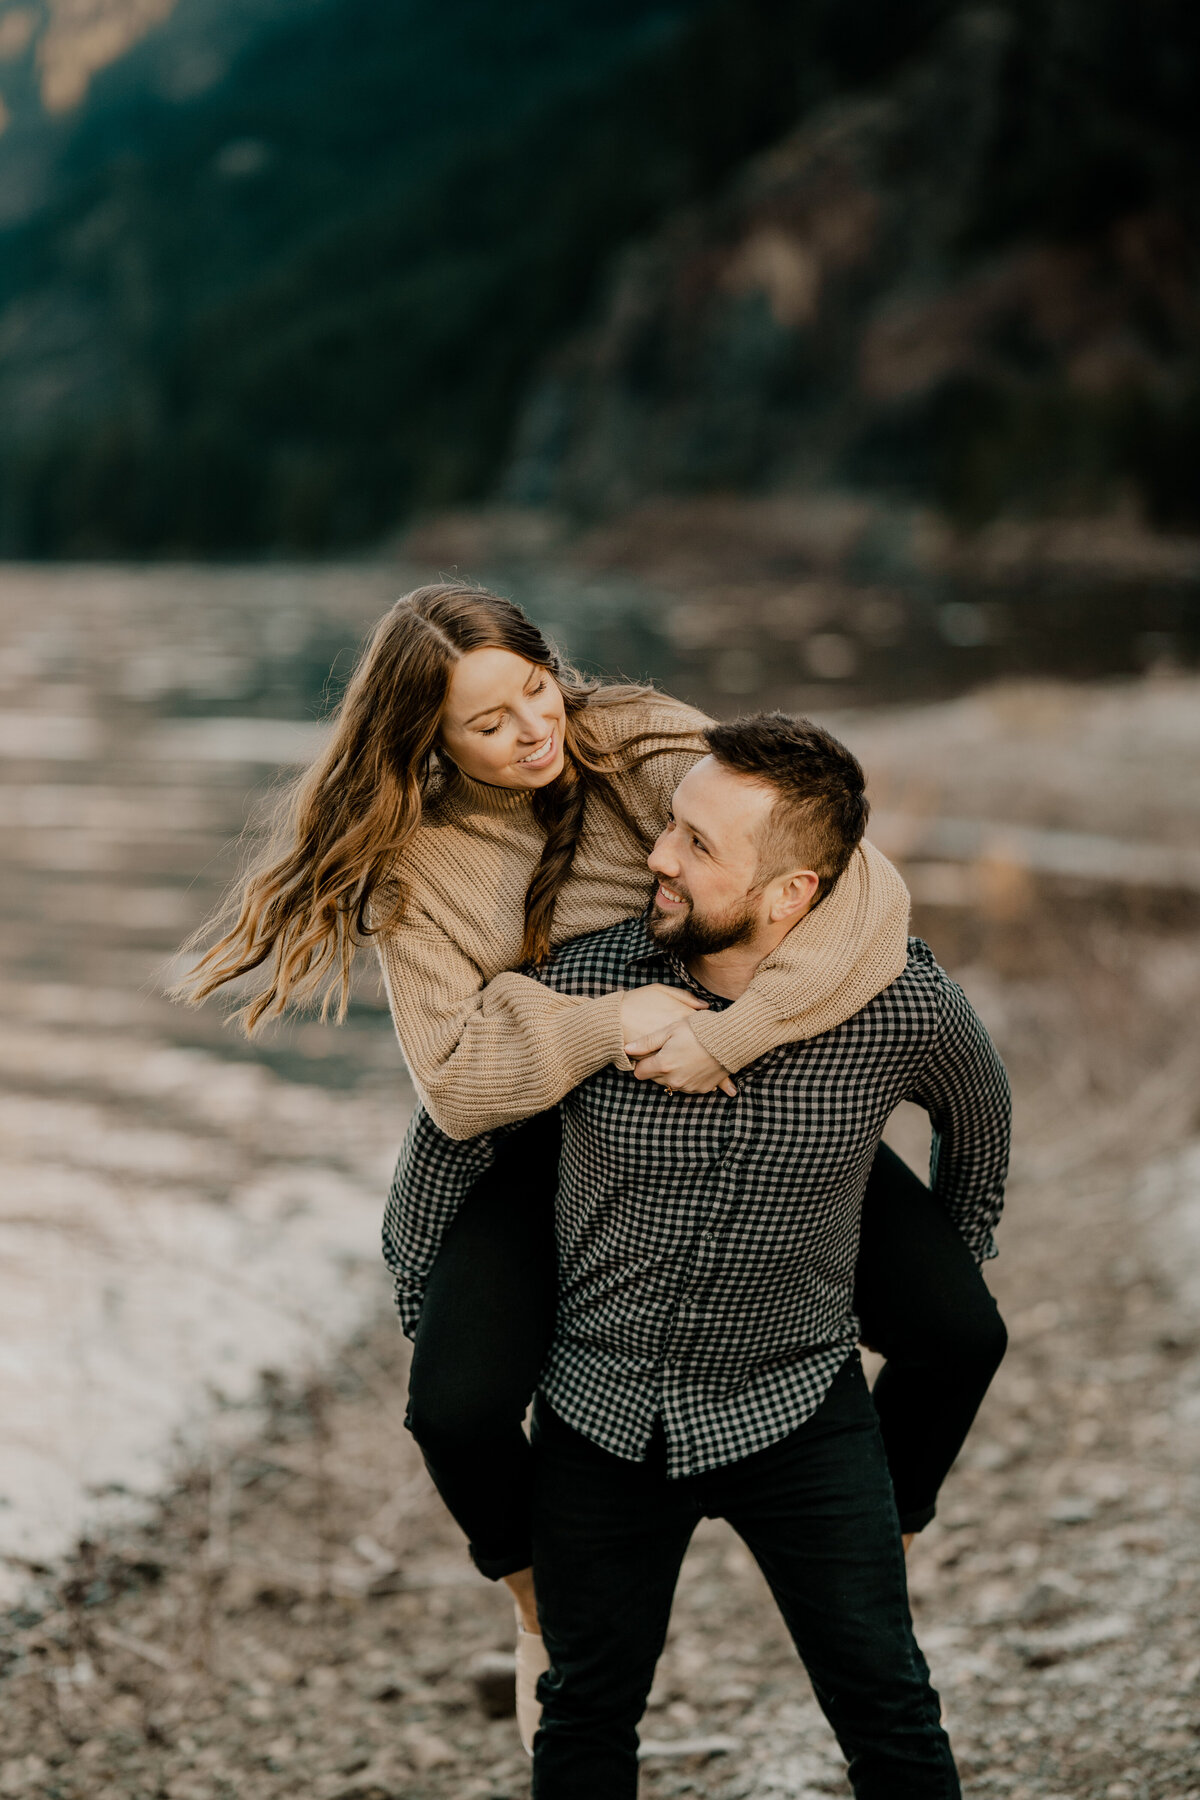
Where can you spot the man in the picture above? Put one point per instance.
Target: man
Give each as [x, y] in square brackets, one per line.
[704, 1358]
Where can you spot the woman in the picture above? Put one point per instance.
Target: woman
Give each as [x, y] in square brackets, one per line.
[478, 804]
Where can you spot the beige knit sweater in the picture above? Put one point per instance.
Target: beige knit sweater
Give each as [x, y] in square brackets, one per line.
[486, 1046]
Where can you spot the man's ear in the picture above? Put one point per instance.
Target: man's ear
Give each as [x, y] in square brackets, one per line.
[796, 893]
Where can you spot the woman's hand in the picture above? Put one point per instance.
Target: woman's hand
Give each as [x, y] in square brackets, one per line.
[651, 1011]
[676, 1059]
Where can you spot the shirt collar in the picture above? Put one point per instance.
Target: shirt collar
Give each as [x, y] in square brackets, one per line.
[643, 949]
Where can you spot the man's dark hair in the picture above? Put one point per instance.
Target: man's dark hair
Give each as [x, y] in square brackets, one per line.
[821, 811]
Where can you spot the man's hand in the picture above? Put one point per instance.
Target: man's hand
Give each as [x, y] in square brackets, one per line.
[675, 1058]
[650, 1012]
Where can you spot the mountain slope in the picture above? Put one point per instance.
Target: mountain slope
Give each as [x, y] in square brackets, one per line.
[975, 288]
[280, 302]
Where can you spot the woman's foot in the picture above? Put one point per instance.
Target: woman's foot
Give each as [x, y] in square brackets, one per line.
[520, 1586]
[532, 1661]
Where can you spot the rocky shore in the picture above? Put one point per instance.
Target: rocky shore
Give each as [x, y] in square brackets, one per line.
[186, 1245]
[300, 1616]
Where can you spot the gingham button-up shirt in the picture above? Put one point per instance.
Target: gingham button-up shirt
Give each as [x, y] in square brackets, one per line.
[707, 1244]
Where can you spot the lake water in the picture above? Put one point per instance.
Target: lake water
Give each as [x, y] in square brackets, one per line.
[180, 1211]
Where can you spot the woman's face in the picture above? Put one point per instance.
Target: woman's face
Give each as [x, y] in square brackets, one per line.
[503, 720]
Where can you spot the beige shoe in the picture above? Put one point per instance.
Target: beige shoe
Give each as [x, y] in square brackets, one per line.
[532, 1661]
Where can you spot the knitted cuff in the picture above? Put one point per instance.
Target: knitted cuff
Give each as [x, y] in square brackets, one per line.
[735, 1036]
[590, 1038]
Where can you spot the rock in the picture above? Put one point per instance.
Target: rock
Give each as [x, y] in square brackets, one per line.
[493, 1676]
[389, 1687]
[249, 1587]
[1053, 1597]
[426, 1750]
[675, 1749]
[277, 1668]
[1075, 1640]
[385, 1583]
[21, 1774]
[1072, 1509]
[367, 1786]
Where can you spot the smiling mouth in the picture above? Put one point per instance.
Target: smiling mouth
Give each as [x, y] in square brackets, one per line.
[542, 754]
[668, 897]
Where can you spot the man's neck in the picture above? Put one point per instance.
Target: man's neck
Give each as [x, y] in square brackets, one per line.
[730, 972]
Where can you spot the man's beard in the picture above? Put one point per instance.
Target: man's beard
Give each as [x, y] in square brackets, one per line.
[688, 937]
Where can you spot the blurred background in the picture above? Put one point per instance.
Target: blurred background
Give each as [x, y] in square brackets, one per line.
[841, 357]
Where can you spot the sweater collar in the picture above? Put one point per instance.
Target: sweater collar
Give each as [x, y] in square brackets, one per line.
[469, 796]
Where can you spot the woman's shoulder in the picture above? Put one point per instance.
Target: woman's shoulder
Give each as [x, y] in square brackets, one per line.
[618, 714]
[436, 845]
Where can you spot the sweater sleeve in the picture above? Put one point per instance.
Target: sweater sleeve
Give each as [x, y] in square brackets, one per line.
[670, 731]
[482, 1054]
[828, 967]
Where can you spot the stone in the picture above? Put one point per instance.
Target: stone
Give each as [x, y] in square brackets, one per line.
[1072, 1509]
[675, 1749]
[21, 1774]
[1050, 1598]
[493, 1677]
[367, 1786]
[280, 1670]
[426, 1750]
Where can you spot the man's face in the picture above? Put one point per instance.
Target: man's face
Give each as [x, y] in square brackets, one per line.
[708, 896]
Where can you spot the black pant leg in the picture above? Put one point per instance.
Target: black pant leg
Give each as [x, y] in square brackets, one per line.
[923, 1305]
[609, 1537]
[485, 1327]
[817, 1512]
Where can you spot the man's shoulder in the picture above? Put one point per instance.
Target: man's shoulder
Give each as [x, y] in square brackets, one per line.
[922, 983]
[596, 962]
[922, 968]
[924, 1002]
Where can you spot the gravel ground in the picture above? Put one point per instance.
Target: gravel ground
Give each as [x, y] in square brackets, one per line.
[300, 1615]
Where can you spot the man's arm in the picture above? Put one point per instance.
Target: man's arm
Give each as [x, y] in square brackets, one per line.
[965, 1091]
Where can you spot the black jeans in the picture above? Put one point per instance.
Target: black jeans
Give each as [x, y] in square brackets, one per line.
[817, 1513]
[489, 1308]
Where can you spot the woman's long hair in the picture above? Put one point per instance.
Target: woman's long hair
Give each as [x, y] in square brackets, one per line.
[333, 874]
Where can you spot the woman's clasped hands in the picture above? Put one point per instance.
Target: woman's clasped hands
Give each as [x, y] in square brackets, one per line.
[662, 1046]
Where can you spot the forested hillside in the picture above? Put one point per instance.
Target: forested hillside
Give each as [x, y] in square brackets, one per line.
[286, 271]
[974, 286]
[274, 274]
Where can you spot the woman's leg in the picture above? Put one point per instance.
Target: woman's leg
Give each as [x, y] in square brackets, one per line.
[924, 1306]
[485, 1327]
